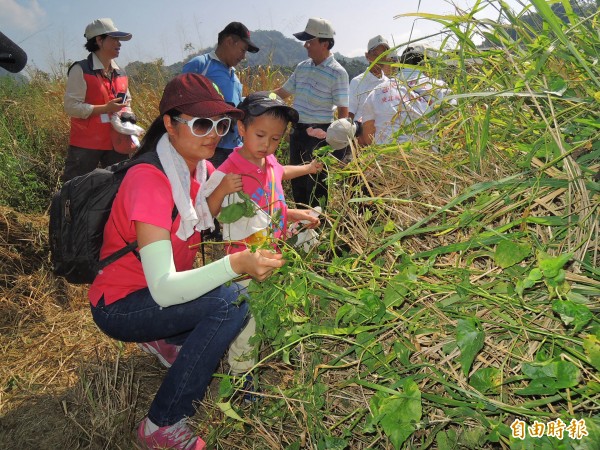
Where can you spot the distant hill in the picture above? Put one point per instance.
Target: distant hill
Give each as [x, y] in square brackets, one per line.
[276, 50]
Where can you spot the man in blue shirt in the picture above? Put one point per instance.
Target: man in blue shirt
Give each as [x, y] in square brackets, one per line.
[219, 66]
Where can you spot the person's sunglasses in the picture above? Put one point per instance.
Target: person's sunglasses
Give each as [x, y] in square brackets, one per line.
[201, 126]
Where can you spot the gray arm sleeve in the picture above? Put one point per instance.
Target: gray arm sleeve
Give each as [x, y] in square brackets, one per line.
[74, 98]
[169, 287]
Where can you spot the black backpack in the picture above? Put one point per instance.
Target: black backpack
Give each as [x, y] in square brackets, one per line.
[78, 214]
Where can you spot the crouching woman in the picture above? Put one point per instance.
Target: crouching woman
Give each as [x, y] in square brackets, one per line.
[185, 316]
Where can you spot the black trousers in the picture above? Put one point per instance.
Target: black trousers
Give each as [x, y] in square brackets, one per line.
[80, 161]
[310, 190]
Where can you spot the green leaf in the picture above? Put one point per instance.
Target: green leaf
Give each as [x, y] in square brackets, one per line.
[486, 380]
[396, 291]
[249, 206]
[469, 337]
[231, 213]
[509, 253]
[235, 211]
[550, 221]
[369, 351]
[332, 443]
[591, 345]
[558, 86]
[572, 314]
[229, 411]
[389, 226]
[322, 151]
[403, 352]
[535, 274]
[344, 314]
[225, 387]
[550, 265]
[372, 307]
[472, 437]
[398, 414]
[447, 440]
[548, 377]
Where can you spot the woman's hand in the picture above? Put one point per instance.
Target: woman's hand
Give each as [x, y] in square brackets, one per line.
[115, 105]
[308, 217]
[259, 265]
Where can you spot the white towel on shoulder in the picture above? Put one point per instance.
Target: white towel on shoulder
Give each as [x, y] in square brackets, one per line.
[194, 214]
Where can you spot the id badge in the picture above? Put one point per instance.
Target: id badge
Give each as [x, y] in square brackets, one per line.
[104, 118]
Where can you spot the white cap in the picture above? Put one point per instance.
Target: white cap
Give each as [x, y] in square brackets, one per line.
[105, 26]
[316, 28]
[418, 48]
[340, 133]
[376, 42]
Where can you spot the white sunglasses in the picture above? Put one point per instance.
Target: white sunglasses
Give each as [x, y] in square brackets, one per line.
[201, 126]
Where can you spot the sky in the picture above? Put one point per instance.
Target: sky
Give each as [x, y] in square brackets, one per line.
[51, 31]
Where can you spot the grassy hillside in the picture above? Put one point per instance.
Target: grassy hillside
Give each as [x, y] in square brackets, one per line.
[452, 301]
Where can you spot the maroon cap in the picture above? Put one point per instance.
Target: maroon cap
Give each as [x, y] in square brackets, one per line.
[197, 96]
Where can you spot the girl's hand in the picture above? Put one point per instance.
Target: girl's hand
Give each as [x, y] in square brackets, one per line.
[260, 265]
[307, 217]
[232, 182]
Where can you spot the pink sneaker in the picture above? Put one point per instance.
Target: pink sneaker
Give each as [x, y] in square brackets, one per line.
[166, 353]
[177, 436]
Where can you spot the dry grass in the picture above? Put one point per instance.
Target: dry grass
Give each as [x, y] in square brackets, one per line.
[64, 384]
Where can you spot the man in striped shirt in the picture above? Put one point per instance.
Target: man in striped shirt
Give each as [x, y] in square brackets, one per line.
[318, 84]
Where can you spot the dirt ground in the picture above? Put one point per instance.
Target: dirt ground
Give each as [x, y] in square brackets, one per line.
[53, 356]
[63, 383]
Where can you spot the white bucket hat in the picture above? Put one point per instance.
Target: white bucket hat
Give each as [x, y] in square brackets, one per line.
[340, 133]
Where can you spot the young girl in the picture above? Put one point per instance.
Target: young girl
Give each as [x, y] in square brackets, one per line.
[254, 169]
[185, 316]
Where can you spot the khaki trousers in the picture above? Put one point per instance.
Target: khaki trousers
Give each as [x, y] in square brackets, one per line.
[242, 355]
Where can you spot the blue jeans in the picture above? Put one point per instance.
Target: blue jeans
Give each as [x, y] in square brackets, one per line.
[205, 327]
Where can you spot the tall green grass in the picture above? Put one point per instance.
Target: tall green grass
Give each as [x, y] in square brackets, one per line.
[453, 314]
[31, 129]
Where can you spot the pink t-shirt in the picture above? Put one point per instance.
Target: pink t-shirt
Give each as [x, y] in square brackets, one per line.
[144, 195]
[258, 185]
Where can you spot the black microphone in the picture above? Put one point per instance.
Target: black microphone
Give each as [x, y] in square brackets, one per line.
[12, 57]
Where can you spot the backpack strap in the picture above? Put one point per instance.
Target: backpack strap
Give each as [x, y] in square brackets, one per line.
[145, 158]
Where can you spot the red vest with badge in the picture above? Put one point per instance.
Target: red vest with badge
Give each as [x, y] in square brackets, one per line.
[92, 133]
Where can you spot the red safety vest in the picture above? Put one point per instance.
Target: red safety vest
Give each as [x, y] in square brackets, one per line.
[91, 132]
